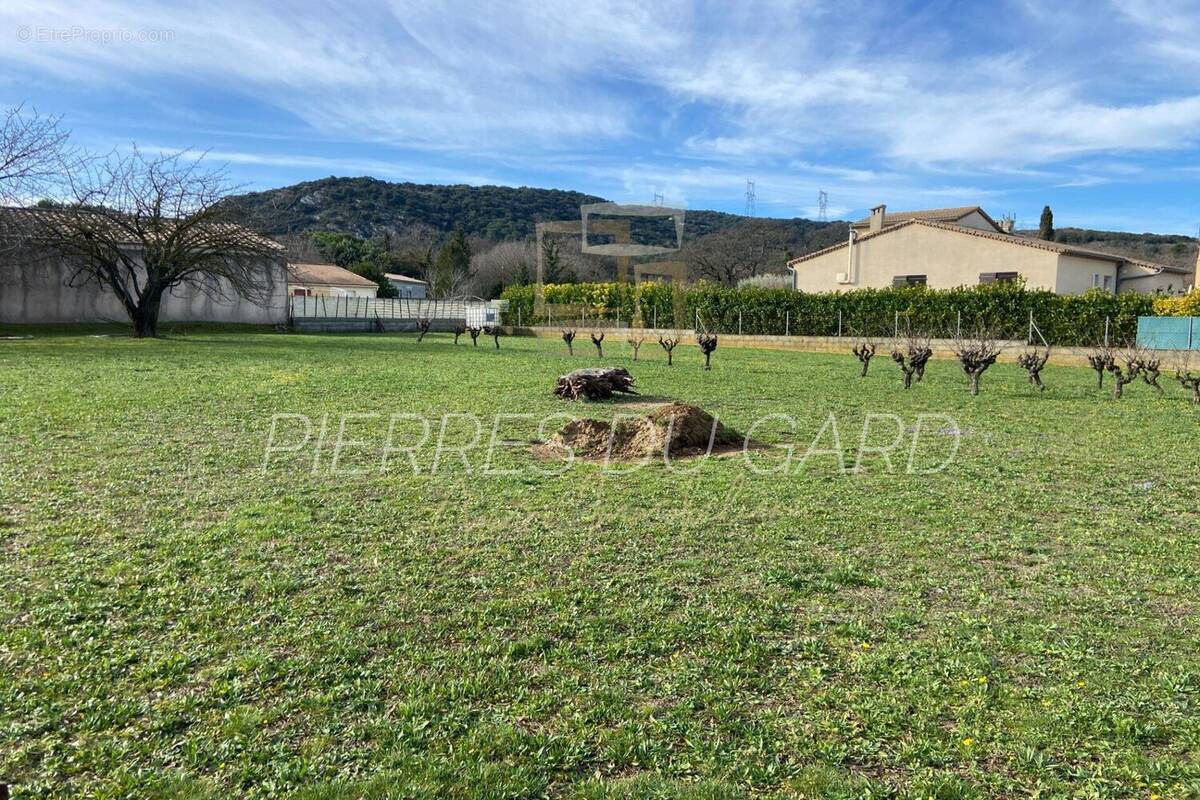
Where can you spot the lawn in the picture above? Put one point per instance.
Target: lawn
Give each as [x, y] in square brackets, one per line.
[178, 620]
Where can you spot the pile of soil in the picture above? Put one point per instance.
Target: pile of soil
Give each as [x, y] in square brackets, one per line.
[677, 428]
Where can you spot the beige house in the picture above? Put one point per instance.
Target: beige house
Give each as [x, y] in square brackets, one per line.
[327, 280]
[950, 247]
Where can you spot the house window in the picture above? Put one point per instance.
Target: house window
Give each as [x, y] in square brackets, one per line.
[997, 277]
[1096, 280]
[909, 280]
[301, 293]
[1107, 282]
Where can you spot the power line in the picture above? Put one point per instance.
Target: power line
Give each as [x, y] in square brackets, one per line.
[823, 206]
[658, 199]
[750, 198]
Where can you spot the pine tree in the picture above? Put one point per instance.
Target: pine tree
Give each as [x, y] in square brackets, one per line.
[1046, 226]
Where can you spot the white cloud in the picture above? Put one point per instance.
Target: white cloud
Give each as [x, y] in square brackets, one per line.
[854, 99]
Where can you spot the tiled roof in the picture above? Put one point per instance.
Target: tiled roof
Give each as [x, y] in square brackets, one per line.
[933, 214]
[1021, 241]
[326, 275]
[32, 223]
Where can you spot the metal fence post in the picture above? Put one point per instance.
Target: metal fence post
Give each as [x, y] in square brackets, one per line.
[896, 323]
[1191, 331]
[656, 318]
[787, 323]
[958, 325]
[839, 323]
[1107, 321]
[739, 322]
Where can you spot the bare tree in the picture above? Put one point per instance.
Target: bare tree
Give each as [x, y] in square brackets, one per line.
[1034, 361]
[976, 353]
[33, 150]
[668, 345]
[1151, 369]
[423, 325]
[474, 335]
[500, 265]
[459, 330]
[864, 351]
[911, 352]
[708, 343]
[141, 226]
[495, 331]
[1188, 378]
[740, 252]
[636, 344]
[598, 341]
[1101, 360]
[1138, 362]
[569, 337]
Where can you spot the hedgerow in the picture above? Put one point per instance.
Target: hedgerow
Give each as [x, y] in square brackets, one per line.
[1003, 308]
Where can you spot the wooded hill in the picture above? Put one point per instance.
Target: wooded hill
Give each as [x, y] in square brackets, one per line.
[380, 210]
[370, 209]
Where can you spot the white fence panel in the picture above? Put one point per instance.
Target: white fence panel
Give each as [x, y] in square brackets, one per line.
[476, 313]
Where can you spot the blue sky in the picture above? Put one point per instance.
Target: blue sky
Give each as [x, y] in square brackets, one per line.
[1092, 107]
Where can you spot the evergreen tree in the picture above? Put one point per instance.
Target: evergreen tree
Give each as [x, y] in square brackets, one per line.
[551, 266]
[1046, 226]
[522, 276]
[453, 265]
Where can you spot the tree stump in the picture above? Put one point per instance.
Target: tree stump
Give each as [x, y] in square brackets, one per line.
[597, 383]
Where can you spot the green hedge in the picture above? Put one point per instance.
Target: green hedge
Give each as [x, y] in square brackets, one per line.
[1002, 307]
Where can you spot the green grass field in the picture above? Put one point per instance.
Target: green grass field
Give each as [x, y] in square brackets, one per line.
[177, 621]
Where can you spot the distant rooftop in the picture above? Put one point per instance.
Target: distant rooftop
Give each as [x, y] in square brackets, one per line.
[398, 278]
[326, 275]
[929, 214]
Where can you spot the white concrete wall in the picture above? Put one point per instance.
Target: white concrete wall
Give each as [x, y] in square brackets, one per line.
[37, 292]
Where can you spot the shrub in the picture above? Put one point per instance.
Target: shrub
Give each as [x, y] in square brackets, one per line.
[771, 280]
[1186, 305]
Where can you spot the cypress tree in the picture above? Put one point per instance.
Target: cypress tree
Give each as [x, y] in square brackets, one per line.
[1046, 226]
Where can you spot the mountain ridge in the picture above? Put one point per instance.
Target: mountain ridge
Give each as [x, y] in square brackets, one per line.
[371, 208]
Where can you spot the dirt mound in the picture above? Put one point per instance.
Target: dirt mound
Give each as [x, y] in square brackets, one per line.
[676, 429]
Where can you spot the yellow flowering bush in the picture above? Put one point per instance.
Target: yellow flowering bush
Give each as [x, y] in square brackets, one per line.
[1186, 305]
